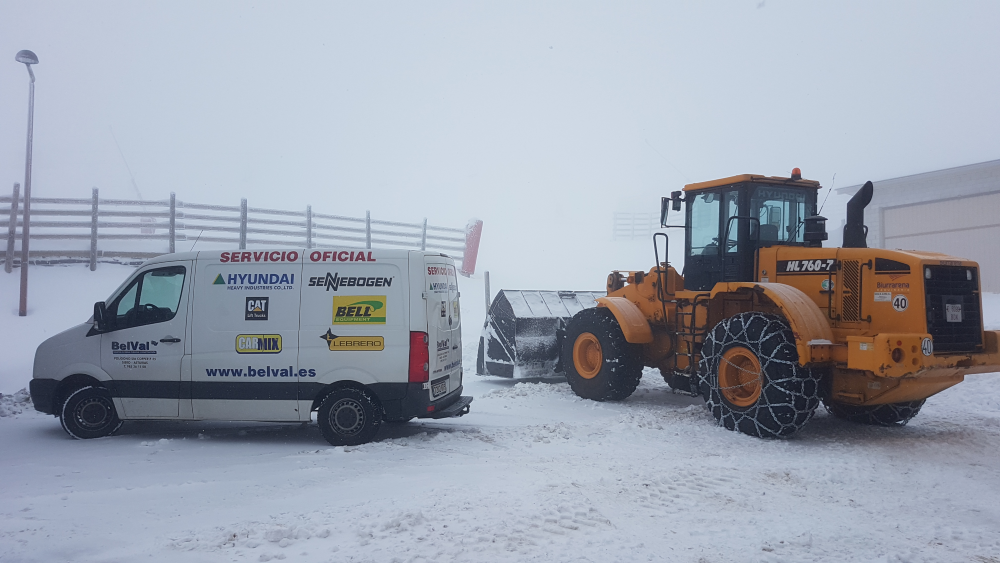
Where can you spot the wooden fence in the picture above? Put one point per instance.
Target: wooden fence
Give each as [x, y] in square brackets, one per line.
[129, 231]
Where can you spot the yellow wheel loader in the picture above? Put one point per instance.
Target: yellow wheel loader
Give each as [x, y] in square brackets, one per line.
[764, 323]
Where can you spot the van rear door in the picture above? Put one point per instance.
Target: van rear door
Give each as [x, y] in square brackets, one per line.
[444, 326]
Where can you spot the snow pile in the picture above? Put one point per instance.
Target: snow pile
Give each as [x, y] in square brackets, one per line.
[532, 474]
[12, 405]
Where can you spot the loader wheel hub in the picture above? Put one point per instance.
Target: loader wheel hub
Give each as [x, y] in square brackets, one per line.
[740, 376]
[587, 356]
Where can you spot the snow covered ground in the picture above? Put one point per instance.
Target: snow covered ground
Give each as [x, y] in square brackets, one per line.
[532, 474]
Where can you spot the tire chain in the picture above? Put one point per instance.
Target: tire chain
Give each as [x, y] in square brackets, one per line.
[789, 392]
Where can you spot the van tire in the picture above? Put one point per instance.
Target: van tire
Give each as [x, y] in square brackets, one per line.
[349, 416]
[610, 367]
[88, 413]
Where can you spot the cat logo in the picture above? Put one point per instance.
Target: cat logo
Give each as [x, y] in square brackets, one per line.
[355, 343]
[258, 344]
[256, 309]
[355, 309]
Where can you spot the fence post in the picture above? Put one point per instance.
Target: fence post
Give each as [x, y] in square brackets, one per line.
[368, 229]
[486, 275]
[309, 226]
[173, 222]
[93, 230]
[12, 229]
[423, 236]
[243, 224]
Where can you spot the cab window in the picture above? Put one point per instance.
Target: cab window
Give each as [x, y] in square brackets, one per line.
[151, 298]
[705, 224]
[781, 212]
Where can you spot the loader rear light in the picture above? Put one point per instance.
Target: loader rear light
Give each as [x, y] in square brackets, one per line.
[420, 358]
[897, 355]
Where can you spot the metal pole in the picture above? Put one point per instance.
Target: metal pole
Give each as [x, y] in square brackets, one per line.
[93, 231]
[368, 229]
[309, 226]
[243, 224]
[26, 226]
[486, 275]
[423, 236]
[12, 230]
[173, 222]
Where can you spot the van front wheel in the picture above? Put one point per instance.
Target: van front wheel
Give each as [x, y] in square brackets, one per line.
[349, 417]
[89, 413]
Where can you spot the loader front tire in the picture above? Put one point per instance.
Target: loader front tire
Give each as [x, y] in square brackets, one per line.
[893, 414]
[600, 364]
[751, 379]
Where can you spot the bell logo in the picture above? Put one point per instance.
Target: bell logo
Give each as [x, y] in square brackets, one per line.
[359, 309]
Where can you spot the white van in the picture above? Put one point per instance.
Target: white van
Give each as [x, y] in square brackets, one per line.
[358, 336]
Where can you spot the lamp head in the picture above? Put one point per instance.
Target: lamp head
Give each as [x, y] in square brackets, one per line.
[26, 57]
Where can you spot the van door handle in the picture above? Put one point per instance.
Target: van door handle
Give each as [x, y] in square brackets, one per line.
[170, 339]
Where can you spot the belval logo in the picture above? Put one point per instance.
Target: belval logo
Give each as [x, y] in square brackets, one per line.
[334, 281]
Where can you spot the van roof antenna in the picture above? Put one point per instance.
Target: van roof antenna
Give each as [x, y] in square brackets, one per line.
[196, 240]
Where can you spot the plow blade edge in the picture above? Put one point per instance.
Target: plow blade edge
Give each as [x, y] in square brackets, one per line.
[524, 331]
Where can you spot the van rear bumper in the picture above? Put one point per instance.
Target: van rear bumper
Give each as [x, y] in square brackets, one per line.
[43, 394]
[417, 403]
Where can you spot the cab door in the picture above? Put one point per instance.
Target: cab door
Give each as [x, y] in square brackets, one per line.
[147, 340]
[444, 327]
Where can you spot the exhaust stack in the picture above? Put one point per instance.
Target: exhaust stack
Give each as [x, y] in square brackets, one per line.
[855, 230]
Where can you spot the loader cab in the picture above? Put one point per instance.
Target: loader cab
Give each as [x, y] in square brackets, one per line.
[728, 220]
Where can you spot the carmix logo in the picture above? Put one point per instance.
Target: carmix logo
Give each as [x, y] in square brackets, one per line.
[355, 309]
[258, 344]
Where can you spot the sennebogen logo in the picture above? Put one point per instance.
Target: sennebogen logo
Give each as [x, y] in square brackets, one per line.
[258, 344]
[355, 309]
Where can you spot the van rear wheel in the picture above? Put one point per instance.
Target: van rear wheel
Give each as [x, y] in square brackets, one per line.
[349, 417]
[88, 413]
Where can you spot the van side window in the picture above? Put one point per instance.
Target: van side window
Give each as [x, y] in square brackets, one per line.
[151, 298]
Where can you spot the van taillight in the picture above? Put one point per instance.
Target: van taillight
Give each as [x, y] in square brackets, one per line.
[420, 357]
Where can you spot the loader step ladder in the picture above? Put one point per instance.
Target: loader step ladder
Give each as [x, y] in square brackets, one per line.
[690, 332]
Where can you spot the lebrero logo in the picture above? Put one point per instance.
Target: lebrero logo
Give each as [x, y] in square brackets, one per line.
[354, 309]
[355, 343]
[258, 344]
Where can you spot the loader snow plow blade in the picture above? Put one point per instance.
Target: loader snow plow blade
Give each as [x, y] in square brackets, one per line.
[524, 330]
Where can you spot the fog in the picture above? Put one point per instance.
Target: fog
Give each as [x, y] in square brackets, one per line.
[541, 119]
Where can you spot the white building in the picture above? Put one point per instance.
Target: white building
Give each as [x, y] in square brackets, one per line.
[955, 211]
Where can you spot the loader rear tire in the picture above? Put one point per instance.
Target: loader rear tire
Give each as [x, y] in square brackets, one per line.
[893, 414]
[600, 364]
[751, 379]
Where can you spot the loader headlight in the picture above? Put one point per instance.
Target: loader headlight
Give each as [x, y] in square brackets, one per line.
[927, 273]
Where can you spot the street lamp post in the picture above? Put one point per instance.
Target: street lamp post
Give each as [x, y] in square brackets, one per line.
[28, 58]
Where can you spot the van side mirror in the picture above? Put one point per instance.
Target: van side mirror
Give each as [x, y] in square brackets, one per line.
[675, 197]
[100, 316]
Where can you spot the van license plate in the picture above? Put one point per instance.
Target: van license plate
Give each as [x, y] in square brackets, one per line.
[439, 387]
[953, 312]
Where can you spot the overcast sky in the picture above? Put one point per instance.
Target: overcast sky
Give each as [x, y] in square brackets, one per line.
[541, 118]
